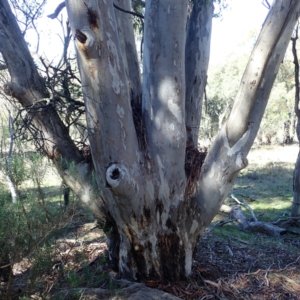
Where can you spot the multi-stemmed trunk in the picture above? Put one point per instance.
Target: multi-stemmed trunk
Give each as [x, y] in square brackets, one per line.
[154, 195]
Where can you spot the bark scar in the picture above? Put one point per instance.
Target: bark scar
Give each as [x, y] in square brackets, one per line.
[92, 17]
[80, 36]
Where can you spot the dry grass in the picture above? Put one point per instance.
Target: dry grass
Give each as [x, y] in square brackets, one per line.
[269, 155]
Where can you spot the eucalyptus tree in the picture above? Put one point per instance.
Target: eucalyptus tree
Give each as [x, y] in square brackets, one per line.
[296, 175]
[148, 183]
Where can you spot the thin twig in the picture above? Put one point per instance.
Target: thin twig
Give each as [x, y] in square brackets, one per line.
[63, 4]
[290, 264]
[266, 4]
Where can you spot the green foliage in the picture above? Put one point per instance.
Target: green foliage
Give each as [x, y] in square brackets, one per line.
[42, 263]
[87, 276]
[38, 166]
[32, 229]
[73, 279]
[138, 6]
[281, 103]
[26, 226]
[222, 88]
[18, 169]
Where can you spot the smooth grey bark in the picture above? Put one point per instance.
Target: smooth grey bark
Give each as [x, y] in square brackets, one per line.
[164, 91]
[154, 211]
[197, 57]
[128, 50]
[132, 181]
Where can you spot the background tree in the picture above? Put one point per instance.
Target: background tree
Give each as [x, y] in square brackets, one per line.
[296, 175]
[149, 186]
[223, 83]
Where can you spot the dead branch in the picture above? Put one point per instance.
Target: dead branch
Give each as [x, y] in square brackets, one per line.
[128, 11]
[57, 10]
[245, 205]
[266, 4]
[256, 226]
[63, 4]
[236, 214]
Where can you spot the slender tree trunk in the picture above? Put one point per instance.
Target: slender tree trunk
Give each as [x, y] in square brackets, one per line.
[11, 185]
[296, 175]
[296, 188]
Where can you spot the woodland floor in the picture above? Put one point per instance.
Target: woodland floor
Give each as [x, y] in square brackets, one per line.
[225, 267]
[229, 263]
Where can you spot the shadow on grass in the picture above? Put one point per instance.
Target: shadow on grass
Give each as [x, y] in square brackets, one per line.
[268, 182]
[267, 189]
[55, 191]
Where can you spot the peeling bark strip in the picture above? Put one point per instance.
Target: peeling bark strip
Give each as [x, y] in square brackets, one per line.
[152, 210]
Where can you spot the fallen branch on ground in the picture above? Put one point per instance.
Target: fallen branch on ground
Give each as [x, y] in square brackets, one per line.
[255, 226]
[236, 214]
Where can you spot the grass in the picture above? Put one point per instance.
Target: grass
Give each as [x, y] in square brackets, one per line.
[266, 184]
[40, 233]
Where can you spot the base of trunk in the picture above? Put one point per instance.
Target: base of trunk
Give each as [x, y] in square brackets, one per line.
[141, 262]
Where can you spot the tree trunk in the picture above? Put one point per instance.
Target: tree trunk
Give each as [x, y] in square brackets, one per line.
[296, 189]
[11, 185]
[296, 175]
[155, 202]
